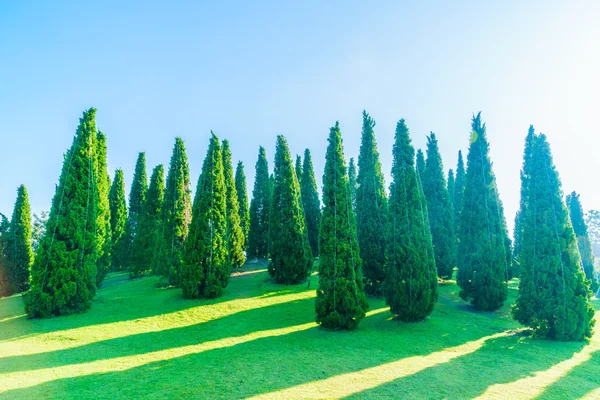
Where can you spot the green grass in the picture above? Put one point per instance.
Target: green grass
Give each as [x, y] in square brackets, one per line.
[260, 341]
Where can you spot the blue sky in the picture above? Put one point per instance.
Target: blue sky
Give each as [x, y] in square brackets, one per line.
[252, 70]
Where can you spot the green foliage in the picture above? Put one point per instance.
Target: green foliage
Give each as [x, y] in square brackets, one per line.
[352, 182]
[371, 209]
[242, 193]
[291, 255]
[420, 164]
[459, 189]
[63, 277]
[482, 249]
[299, 169]
[451, 190]
[206, 268]
[439, 209]
[137, 199]
[235, 235]
[341, 302]
[104, 234]
[17, 250]
[583, 239]
[553, 293]
[118, 220]
[39, 229]
[148, 231]
[5, 289]
[258, 236]
[176, 216]
[310, 202]
[410, 286]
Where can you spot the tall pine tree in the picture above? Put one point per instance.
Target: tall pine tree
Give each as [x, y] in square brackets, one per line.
[482, 248]
[118, 220]
[341, 302]
[451, 190]
[420, 164]
[311, 203]
[459, 189]
[235, 235]
[207, 267]
[553, 292]
[5, 289]
[371, 209]
[410, 286]
[18, 251]
[352, 181]
[291, 255]
[583, 239]
[299, 169]
[104, 235]
[258, 236]
[439, 209]
[242, 193]
[137, 199]
[63, 277]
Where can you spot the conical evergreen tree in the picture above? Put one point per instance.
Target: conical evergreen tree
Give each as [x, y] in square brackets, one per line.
[420, 164]
[18, 252]
[148, 232]
[137, 199]
[118, 219]
[410, 287]
[341, 302]
[299, 169]
[439, 209]
[451, 190]
[371, 209]
[553, 292]
[311, 203]
[482, 248]
[206, 268]
[63, 277]
[235, 235]
[5, 289]
[176, 216]
[104, 235]
[584, 243]
[242, 193]
[352, 181]
[459, 189]
[258, 236]
[291, 255]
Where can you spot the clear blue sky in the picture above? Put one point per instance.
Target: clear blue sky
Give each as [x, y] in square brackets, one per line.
[252, 70]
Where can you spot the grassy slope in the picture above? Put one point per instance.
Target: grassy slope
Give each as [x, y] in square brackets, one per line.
[260, 340]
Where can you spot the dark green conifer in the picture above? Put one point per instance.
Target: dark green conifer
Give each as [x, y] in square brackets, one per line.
[371, 209]
[451, 190]
[235, 235]
[311, 203]
[459, 189]
[410, 286]
[258, 236]
[242, 193]
[63, 279]
[439, 209]
[137, 199]
[341, 302]
[18, 252]
[118, 219]
[482, 248]
[206, 268]
[5, 289]
[553, 292]
[352, 181]
[291, 255]
[420, 164]
[104, 235]
[299, 169]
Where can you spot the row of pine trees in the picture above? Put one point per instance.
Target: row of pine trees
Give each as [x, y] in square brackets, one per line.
[367, 242]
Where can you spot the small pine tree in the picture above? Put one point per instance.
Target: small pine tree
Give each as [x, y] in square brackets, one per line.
[439, 209]
[235, 235]
[553, 292]
[459, 189]
[118, 220]
[352, 181]
[148, 231]
[410, 287]
[176, 216]
[4, 283]
[483, 254]
[420, 164]
[584, 243]
[291, 255]
[311, 203]
[341, 302]
[371, 209]
[258, 236]
[451, 190]
[206, 268]
[137, 199]
[242, 193]
[63, 279]
[104, 235]
[18, 251]
[299, 169]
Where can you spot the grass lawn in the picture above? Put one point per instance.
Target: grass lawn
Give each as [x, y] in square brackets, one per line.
[260, 341]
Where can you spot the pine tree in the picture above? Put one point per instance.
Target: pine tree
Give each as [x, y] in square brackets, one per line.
[439, 209]
[291, 255]
[63, 277]
[104, 234]
[242, 193]
[148, 231]
[118, 219]
[352, 181]
[410, 286]
[206, 268]
[311, 203]
[18, 251]
[584, 243]
[258, 236]
[176, 216]
[420, 164]
[482, 248]
[459, 189]
[5, 289]
[137, 199]
[451, 190]
[38, 229]
[341, 302]
[235, 235]
[299, 169]
[553, 292]
[371, 209]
